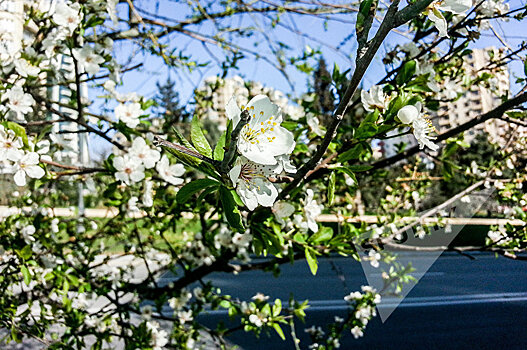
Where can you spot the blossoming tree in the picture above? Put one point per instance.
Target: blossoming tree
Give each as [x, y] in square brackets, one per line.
[184, 206]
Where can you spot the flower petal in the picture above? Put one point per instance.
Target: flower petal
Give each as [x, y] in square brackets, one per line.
[35, 171]
[233, 111]
[408, 114]
[266, 192]
[262, 109]
[439, 21]
[20, 178]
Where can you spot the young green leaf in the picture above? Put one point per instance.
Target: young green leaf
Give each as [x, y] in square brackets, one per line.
[353, 153]
[198, 138]
[324, 234]
[26, 274]
[278, 330]
[406, 73]
[311, 260]
[331, 188]
[189, 189]
[219, 150]
[230, 209]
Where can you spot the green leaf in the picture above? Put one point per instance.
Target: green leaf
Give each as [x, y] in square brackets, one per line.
[364, 10]
[198, 138]
[18, 129]
[353, 153]
[419, 84]
[26, 252]
[189, 189]
[237, 198]
[349, 172]
[278, 330]
[219, 150]
[366, 131]
[192, 161]
[331, 188]
[277, 308]
[311, 260]
[27, 275]
[336, 72]
[324, 234]
[525, 67]
[406, 72]
[230, 209]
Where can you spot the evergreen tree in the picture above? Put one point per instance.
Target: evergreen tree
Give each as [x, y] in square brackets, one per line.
[169, 104]
[325, 99]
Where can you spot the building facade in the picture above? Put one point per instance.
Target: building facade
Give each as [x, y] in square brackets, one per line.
[480, 99]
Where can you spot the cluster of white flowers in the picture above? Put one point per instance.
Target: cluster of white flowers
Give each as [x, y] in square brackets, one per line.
[499, 235]
[491, 8]
[129, 113]
[436, 9]
[373, 257]
[264, 146]
[237, 242]
[17, 102]
[364, 310]
[159, 336]
[422, 127]
[20, 162]
[140, 156]
[195, 252]
[308, 221]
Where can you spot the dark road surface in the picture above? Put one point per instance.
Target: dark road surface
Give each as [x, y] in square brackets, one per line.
[458, 304]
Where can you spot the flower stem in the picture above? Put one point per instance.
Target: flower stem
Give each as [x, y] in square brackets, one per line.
[233, 144]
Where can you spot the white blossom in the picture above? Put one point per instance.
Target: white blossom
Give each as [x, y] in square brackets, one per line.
[159, 336]
[374, 257]
[312, 210]
[374, 99]
[170, 173]
[10, 145]
[129, 113]
[314, 124]
[148, 194]
[111, 9]
[144, 153]
[436, 9]
[25, 68]
[252, 184]
[129, 169]
[88, 59]
[357, 332]
[282, 210]
[27, 164]
[19, 102]
[67, 16]
[262, 138]
[28, 232]
[421, 126]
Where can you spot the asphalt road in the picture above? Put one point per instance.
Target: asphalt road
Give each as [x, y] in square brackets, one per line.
[458, 304]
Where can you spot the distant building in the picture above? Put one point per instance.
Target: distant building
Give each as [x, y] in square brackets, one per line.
[11, 27]
[479, 99]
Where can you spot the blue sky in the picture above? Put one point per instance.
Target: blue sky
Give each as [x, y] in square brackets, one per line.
[321, 37]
